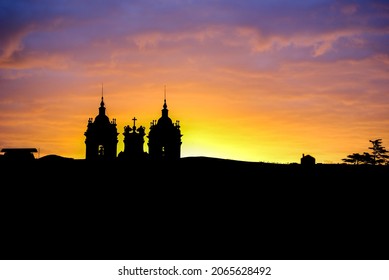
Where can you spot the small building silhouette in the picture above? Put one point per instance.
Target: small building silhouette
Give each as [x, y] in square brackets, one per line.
[307, 160]
[19, 153]
[101, 136]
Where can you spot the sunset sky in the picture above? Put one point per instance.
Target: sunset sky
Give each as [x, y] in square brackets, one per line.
[248, 80]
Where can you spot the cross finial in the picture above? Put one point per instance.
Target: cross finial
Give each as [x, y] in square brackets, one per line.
[134, 119]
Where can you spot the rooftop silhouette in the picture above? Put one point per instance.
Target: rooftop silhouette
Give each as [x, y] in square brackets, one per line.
[19, 153]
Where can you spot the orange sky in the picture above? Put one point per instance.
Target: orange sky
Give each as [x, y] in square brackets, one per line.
[265, 81]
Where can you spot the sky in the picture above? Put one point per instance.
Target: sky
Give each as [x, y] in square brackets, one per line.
[248, 80]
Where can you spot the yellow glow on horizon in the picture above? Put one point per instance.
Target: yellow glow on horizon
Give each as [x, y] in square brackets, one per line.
[258, 116]
[213, 125]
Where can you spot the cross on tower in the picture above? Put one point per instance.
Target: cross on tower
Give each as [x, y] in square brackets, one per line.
[134, 119]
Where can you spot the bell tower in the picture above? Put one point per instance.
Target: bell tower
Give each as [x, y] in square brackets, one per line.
[164, 137]
[101, 136]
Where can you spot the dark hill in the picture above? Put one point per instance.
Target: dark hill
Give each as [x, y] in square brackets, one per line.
[54, 158]
[203, 171]
[195, 207]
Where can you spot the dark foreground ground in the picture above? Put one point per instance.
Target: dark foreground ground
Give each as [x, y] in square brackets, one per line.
[198, 172]
[194, 208]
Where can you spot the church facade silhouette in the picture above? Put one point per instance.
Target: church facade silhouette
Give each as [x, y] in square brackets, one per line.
[101, 138]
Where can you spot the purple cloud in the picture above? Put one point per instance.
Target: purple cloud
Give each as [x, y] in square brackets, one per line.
[325, 27]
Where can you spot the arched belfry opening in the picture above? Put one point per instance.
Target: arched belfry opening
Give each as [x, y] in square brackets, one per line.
[101, 136]
[164, 136]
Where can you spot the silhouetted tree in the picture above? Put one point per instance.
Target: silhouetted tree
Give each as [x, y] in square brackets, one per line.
[379, 154]
[357, 158]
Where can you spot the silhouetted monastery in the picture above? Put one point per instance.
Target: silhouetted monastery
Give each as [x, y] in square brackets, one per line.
[164, 138]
